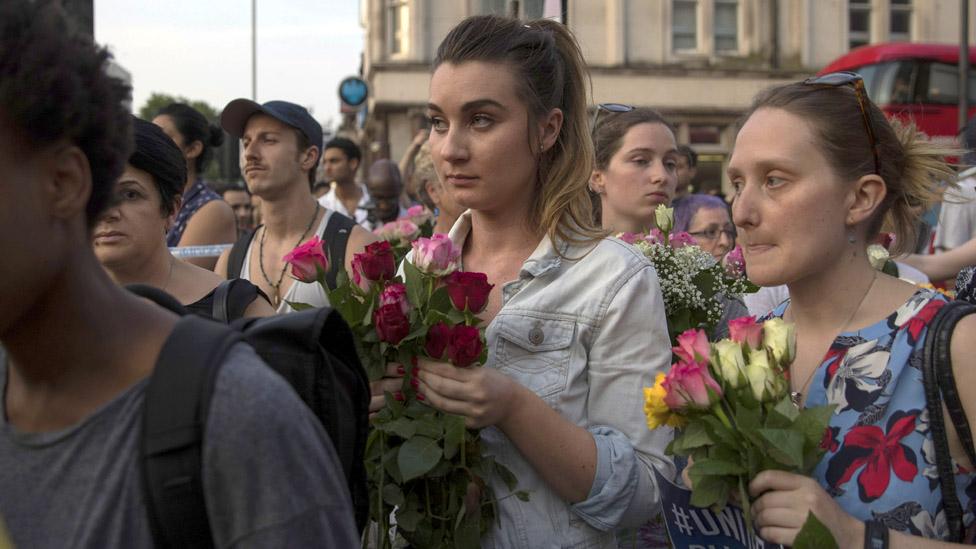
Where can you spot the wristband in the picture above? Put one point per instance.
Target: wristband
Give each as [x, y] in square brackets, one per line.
[875, 535]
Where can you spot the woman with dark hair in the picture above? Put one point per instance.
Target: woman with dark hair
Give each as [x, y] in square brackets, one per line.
[130, 235]
[634, 172]
[706, 218]
[817, 169]
[203, 217]
[575, 320]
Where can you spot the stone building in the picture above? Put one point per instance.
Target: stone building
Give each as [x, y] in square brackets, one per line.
[699, 62]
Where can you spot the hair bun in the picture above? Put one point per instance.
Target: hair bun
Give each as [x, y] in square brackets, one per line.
[216, 136]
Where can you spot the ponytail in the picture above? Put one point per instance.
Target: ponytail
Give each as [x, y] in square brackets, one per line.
[193, 126]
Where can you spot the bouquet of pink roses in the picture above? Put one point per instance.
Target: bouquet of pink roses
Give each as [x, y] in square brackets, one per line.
[738, 418]
[418, 222]
[420, 462]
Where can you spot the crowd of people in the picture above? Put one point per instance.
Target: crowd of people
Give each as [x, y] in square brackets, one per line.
[533, 192]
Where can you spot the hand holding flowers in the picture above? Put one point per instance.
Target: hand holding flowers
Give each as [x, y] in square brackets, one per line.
[732, 400]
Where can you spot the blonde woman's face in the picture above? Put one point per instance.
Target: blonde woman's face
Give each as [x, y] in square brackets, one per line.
[789, 206]
[479, 141]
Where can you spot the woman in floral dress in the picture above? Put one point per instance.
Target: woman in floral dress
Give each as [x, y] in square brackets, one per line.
[816, 170]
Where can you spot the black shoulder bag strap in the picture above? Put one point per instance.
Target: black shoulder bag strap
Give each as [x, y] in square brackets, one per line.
[171, 448]
[336, 236]
[939, 383]
[235, 261]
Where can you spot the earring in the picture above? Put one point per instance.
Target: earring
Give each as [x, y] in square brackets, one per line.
[851, 238]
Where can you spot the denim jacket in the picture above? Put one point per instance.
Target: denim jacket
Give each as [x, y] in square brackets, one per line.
[586, 332]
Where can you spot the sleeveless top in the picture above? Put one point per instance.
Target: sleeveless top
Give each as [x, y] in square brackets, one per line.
[880, 462]
[299, 292]
[239, 297]
[194, 199]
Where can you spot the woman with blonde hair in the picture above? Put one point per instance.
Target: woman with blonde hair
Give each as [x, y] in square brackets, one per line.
[575, 321]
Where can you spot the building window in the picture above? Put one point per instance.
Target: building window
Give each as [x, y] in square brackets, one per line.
[398, 16]
[900, 26]
[684, 25]
[859, 23]
[726, 25]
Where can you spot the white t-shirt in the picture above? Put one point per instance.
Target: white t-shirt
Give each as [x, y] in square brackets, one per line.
[957, 220]
[331, 202]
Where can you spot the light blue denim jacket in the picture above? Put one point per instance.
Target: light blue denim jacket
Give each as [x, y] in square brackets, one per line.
[586, 334]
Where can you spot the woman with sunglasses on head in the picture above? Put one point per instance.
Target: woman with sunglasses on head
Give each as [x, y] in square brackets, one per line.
[130, 236]
[816, 170]
[571, 332]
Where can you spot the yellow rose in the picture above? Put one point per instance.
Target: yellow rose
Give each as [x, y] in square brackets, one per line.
[664, 217]
[732, 365]
[760, 375]
[657, 411]
[877, 256]
[779, 337]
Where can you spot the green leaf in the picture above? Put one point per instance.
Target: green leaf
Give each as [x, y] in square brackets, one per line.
[408, 518]
[522, 495]
[431, 426]
[453, 435]
[440, 301]
[710, 491]
[415, 284]
[708, 467]
[785, 445]
[814, 535]
[813, 421]
[300, 306]
[694, 436]
[787, 409]
[393, 495]
[506, 475]
[418, 456]
[467, 533]
[401, 427]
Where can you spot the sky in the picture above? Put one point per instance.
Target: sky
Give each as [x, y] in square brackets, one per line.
[201, 49]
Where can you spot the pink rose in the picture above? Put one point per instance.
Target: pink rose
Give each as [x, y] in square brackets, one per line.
[735, 263]
[629, 238]
[373, 265]
[654, 237]
[693, 346]
[690, 384]
[419, 215]
[746, 330]
[468, 290]
[681, 239]
[308, 261]
[391, 324]
[437, 341]
[400, 231]
[466, 345]
[436, 256]
[396, 294]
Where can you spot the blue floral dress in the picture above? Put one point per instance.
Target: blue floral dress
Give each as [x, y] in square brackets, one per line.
[880, 460]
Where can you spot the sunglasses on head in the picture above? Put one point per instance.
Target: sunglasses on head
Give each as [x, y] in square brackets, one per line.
[845, 78]
[611, 108]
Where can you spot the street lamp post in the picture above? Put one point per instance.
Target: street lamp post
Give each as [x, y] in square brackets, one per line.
[254, 50]
[963, 63]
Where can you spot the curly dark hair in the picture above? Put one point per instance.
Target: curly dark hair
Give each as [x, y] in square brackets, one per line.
[53, 87]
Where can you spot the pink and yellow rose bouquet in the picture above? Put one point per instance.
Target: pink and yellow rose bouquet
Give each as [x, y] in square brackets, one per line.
[736, 417]
[420, 462]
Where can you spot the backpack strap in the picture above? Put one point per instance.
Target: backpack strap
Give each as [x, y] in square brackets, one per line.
[336, 236]
[939, 382]
[220, 296]
[176, 404]
[235, 261]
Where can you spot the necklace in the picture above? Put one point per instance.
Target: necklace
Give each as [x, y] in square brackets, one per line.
[797, 396]
[276, 297]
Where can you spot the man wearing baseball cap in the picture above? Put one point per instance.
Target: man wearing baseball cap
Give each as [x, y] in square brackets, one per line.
[281, 142]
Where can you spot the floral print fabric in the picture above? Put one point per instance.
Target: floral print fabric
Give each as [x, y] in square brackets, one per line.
[880, 461]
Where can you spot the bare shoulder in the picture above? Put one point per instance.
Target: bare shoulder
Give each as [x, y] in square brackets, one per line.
[220, 268]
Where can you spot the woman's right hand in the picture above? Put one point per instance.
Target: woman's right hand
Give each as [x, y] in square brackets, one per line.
[391, 382]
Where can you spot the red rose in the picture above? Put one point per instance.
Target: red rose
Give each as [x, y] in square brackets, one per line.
[391, 324]
[308, 260]
[465, 345]
[468, 290]
[438, 338]
[375, 264]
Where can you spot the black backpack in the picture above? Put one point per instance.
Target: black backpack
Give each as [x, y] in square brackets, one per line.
[335, 235]
[312, 349]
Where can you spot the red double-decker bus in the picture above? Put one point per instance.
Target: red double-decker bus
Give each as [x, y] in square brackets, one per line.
[911, 80]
